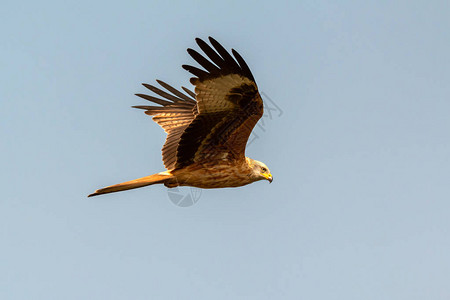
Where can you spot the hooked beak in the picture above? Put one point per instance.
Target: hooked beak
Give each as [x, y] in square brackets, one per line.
[269, 177]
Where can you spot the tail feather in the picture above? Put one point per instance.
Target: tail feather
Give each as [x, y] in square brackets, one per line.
[132, 184]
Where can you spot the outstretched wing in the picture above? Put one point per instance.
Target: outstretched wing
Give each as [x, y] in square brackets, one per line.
[174, 115]
[219, 123]
[228, 107]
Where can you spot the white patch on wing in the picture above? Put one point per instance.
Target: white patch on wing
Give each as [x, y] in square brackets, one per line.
[211, 94]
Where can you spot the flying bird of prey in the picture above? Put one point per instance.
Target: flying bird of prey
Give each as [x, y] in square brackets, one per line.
[207, 131]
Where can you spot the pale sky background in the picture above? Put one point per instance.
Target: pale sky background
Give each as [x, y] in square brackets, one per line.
[359, 207]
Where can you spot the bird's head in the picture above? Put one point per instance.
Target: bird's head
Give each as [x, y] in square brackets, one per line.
[260, 170]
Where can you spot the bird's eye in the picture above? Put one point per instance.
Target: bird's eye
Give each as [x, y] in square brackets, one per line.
[264, 169]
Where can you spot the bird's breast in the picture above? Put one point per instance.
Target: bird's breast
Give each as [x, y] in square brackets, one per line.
[213, 175]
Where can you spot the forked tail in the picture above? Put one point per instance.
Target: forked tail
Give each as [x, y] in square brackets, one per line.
[132, 184]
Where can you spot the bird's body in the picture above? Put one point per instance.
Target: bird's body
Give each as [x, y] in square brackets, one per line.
[214, 174]
[207, 131]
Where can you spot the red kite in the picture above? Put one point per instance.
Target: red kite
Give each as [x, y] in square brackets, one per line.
[207, 131]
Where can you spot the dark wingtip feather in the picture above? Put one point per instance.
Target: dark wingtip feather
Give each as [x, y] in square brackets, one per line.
[175, 91]
[196, 71]
[217, 61]
[193, 80]
[141, 107]
[212, 40]
[243, 65]
[210, 67]
[154, 99]
[191, 93]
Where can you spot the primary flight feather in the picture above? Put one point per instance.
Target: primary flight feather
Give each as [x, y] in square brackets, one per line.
[207, 131]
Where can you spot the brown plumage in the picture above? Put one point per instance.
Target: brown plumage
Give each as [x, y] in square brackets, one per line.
[207, 131]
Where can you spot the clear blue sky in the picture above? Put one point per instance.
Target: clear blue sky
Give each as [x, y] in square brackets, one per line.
[359, 207]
